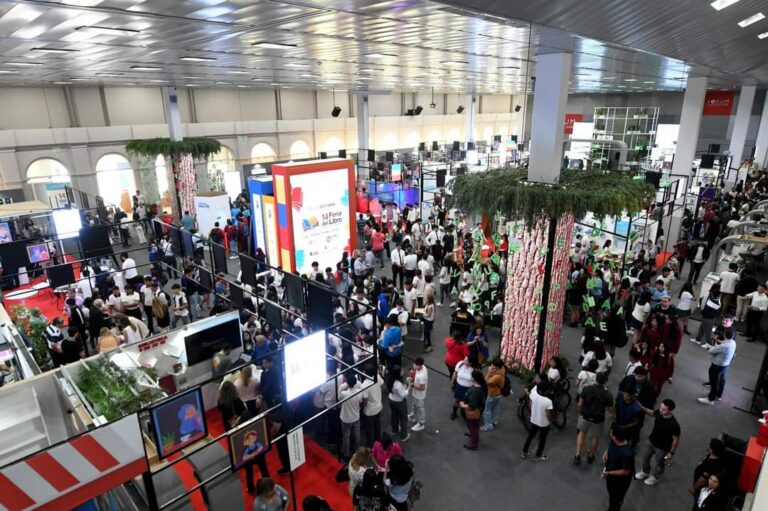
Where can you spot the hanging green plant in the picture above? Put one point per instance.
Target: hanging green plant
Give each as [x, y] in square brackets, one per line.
[197, 147]
[602, 193]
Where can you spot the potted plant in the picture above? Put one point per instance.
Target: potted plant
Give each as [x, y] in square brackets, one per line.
[169, 440]
[31, 326]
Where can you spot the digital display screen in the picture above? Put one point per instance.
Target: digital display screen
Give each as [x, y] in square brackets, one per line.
[321, 229]
[304, 365]
[397, 172]
[202, 345]
[67, 223]
[179, 422]
[5, 233]
[38, 253]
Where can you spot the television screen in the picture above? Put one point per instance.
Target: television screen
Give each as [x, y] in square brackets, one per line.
[61, 275]
[247, 266]
[397, 172]
[38, 253]
[319, 306]
[294, 290]
[67, 223]
[5, 233]
[203, 344]
[205, 279]
[248, 442]
[178, 422]
[304, 365]
[236, 295]
[95, 241]
[273, 315]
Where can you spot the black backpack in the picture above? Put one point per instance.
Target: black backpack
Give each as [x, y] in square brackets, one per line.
[506, 389]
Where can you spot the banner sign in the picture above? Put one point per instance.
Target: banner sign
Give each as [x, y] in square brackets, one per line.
[719, 103]
[570, 120]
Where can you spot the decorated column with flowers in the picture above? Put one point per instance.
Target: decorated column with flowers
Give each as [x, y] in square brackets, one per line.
[182, 176]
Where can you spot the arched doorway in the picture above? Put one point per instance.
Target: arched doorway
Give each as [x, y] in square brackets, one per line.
[49, 178]
[116, 181]
[300, 150]
[161, 174]
[261, 153]
[222, 172]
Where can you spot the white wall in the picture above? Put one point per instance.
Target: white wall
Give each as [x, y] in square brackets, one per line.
[27, 107]
[134, 105]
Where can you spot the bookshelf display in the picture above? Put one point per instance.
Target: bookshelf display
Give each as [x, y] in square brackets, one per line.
[635, 126]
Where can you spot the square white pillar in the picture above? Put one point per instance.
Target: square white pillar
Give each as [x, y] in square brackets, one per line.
[761, 145]
[363, 127]
[690, 124]
[740, 127]
[172, 115]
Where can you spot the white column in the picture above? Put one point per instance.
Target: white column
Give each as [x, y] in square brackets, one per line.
[740, 127]
[172, 115]
[363, 127]
[761, 150]
[549, 102]
[690, 123]
[470, 115]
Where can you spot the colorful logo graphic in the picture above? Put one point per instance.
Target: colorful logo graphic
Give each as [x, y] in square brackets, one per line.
[297, 198]
[309, 223]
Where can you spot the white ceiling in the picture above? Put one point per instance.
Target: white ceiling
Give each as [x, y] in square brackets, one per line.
[402, 45]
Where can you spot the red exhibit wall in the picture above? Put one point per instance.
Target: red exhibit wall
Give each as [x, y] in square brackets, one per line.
[289, 206]
[523, 302]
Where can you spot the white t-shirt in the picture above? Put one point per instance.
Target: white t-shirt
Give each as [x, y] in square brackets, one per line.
[129, 267]
[178, 301]
[410, 262]
[539, 407]
[464, 374]
[350, 409]
[686, 301]
[409, 299]
[602, 365]
[728, 280]
[641, 312]
[372, 396]
[420, 378]
[115, 302]
[758, 300]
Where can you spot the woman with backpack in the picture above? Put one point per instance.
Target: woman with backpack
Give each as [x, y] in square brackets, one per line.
[495, 380]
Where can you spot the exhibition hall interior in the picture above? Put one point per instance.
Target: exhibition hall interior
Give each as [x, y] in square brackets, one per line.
[383, 255]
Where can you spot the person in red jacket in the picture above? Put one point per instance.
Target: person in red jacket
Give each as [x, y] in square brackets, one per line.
[377, 245]
[456, 350]
[662, 366]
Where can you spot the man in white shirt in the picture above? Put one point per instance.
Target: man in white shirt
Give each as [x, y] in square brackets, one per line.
[418, 380]
[409, 297]
[402, 316]
[372, 406]
[541, 417]
[129, 269]
[758, 304]
[728, 281]
[351, 395]
[410, 263]
[431, 238]
[398, 262]
[180, 306]
[115, 301]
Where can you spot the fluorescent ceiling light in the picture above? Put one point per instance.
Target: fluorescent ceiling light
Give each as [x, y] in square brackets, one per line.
[296, 64]
[274, 46]
[7, 72]
[146, 68]
[648, 82]
[630, 79]
[370, 70]
[752, 19]
[99, 30]
[309, 76]
[81, 79]
[159, 81]
[719, 5]
[194, 77]
[243, 86]
[223, 83]
[62, 83]
[763, 35]
[54, 50]
[259, 79]
[110, 75]
[454, 62]
[191, 85]
[378, 55]
[197, 59]
[24, 64]
[239, 72]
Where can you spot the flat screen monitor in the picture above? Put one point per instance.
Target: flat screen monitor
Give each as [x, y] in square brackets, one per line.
[435, 146]
[5, 233]
[273, 316]
[319, 306]
[205, 279]
[61, 275]
[397, 172]
[304, 365]
[219, 258]
[248, 442]
[236, 295]
[178, 422]
[203, 344]
[67, 223]
[247, 266]
[422, 146]
[38, 253]
[389, 156]
[456, 145]
[294, 290]
[371, 155]
[95, 242]
[707, 161]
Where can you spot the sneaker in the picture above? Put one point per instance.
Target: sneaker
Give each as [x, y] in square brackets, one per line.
[705, 401]
[428, 349]
[523, 454]
[439, 304]
[418, 427]
[452, 304]
[693, 339]
[406, 438]
[705, 346]
[411, 418]
[641, 476]
[577, 460]
[540, 458]
[652, 480]
[486, 428]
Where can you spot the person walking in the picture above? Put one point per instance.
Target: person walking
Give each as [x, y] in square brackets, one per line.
[418, 380]
[398, 407]
[428, 318]
[350, 397]
[594, 401]
[541, 417]
[757, 304]
[472, 404]
[698, 255]
[180, 307]
[495, 382]
[619, 468]
[728, 281]
[720, 355]
[398, 262]
[709, 313]
[662, 443]
[456, 350]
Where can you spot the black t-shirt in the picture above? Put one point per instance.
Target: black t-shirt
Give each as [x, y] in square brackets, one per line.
[373, 500]
[707, 467]
[663, 431]
[596, 399]
[448, 243]
[71, 349]
[474, 397]
[620, 457]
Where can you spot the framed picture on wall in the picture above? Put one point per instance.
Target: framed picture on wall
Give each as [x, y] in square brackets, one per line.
[248, 442]
[178, 422]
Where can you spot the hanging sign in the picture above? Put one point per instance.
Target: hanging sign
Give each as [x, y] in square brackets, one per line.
[719, 103]
[296, 452]
[570, 120]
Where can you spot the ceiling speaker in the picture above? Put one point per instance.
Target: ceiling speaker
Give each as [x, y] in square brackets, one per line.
[418, 110]
[336, 111]
[460, 109]
[409, 111]
[323, 155]
[517, 108]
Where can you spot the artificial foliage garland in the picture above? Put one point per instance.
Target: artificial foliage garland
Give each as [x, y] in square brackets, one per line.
[201, 148]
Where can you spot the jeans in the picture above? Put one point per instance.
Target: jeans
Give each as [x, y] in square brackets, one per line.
[491, 413]
[176, 318]
[543, 432]
[658, 467]
[148, 313]
[716, 381]
[232, 247]
[371, 428]
[419, 411]
[742, 303]
[705, 330]
[350, 433]
[473, 426]
[399, 418]
[617, 487]
[428, 332]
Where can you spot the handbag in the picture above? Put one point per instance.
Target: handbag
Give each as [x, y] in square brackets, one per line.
[472, 414]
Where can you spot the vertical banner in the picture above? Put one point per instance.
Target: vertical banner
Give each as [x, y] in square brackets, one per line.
[719, 102]
[570, 120]
[270, 229]
[296, 453]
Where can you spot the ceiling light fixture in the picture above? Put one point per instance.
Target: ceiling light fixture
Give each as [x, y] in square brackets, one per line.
[274, 46]
[243, 86]
[433, 104]
[648, 82]
[336, 109]
[7, 72]
[110, 75]
[297, 65]
[630, 79]
[197, 59]
[95, 29]
[146, 68]
[239, 72]
[752, 19]
[763, 35]
[376, 55]
[191, 85]
[54, 50]
[454, 62]
[719, 5]
[159, 81]
[81, 79]
[62, 83]
[24, 64]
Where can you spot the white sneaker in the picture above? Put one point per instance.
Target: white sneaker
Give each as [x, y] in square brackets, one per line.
[418, 427]
[693, 339]
[641, 476]
[705, 346]
[705, 401]
[453, 304]
[652, 480]
[412, 418]
[406, 438]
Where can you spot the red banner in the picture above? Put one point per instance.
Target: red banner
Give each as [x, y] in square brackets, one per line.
[718, 103]
[570, 119]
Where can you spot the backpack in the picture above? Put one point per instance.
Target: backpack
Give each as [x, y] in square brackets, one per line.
[506, 389]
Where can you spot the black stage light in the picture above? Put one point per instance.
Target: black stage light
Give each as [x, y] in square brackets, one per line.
[418, 110]
[336, 111]
[460, 109]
